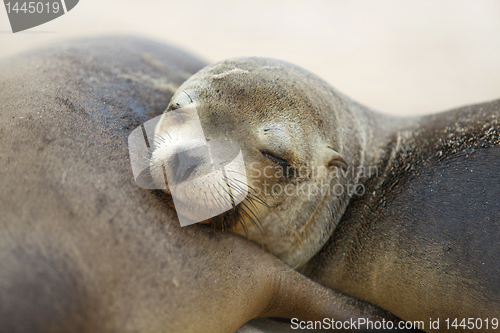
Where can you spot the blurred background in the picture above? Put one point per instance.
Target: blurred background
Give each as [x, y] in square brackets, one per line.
[397, 56]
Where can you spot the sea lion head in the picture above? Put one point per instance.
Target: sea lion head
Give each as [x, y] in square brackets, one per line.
[283, 122]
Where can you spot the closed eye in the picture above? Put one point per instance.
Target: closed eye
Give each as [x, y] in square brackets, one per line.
[288, 170]
[278, 160]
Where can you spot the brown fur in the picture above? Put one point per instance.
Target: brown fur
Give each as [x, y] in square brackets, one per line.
[421, 240]
[82, 248]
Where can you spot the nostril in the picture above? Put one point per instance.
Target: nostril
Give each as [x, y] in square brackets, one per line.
[184, 163]
[189, 171]
[174, 163]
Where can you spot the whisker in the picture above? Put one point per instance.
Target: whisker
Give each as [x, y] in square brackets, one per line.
[264, 235]
[259, 224]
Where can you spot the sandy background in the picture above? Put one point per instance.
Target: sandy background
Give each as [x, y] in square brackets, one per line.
[400, 57]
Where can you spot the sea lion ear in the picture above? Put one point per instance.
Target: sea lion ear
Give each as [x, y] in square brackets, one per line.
[180, 100]
[334, 159]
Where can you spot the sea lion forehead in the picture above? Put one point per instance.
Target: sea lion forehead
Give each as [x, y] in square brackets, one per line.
[270, 86]
[247, 65]
[264, 90]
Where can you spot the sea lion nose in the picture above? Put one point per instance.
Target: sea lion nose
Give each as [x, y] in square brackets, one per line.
[185, 162]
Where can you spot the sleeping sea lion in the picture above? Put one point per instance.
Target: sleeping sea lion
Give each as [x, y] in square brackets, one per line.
[82, 248]
[401, 212]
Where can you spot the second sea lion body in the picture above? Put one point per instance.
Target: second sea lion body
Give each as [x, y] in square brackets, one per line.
[424, 240]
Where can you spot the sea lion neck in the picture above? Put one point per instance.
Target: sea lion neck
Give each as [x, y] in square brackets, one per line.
[368, 136]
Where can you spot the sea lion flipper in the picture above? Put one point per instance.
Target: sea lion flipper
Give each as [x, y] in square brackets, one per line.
[301, 299]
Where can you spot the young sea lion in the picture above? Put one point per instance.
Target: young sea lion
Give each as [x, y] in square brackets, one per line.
[417, 196]
[82, 248]
[304, 146]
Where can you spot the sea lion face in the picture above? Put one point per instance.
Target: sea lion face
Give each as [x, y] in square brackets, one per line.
[274, 113]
